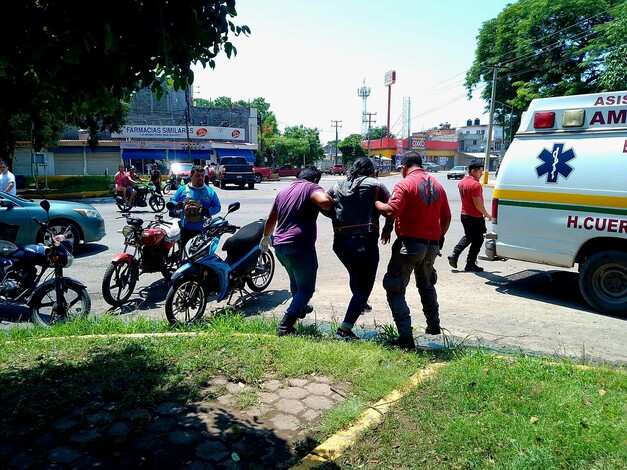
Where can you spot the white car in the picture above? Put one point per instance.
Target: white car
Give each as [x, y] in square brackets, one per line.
[457, 172]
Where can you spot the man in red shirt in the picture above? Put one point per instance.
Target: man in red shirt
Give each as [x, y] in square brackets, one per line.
[422, 216]
[473, 212]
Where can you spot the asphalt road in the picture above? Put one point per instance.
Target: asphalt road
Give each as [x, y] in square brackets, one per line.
[511, 306]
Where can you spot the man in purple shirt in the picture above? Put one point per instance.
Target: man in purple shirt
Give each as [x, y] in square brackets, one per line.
[295, 213]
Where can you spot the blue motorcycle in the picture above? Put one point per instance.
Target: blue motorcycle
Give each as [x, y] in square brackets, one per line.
[205, 277]
[32, 275]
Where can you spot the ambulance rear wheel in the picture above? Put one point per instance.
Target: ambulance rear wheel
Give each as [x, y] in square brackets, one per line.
[603, 282]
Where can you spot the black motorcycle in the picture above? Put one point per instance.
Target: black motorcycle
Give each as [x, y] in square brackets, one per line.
[146, 196]
[32, 275]
[172, 184]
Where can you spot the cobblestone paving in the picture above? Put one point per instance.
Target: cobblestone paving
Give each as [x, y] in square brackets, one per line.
[234, 426]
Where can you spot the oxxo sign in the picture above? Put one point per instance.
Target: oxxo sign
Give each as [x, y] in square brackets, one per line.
[418, 144]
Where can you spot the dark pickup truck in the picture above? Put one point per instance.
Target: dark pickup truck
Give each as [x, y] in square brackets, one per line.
[234, 170]
[287, 170]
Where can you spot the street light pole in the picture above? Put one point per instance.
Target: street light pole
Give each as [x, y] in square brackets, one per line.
[489, 139]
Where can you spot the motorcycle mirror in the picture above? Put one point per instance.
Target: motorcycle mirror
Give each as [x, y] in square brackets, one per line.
[233, 207]
[45, 205]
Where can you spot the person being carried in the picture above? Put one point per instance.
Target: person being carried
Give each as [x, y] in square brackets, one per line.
[187, 196]
[155, 178]
[355, 235]
[472, 217]
[294, 213]
[7, 179]
[422, 217]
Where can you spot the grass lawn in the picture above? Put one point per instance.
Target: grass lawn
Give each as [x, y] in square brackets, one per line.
[478, 411]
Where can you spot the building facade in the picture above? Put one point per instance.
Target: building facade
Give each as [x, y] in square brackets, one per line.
[156, 131]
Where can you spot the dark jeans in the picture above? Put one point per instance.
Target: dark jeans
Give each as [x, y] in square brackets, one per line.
[157, 186]
[411, 257]
[360, 257]
[474, 228]
[301, 265]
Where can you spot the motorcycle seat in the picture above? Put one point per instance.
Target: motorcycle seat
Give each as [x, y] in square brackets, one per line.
[172, 232]
[244, 240]
[7, 248]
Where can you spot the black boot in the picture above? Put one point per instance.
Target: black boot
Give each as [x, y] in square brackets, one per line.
[286, 325]
[404, 342]
[433, 329]
[452, 260]
[453, 257]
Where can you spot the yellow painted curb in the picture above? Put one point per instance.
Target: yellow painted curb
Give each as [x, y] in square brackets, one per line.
[333, 447]
[64, 195]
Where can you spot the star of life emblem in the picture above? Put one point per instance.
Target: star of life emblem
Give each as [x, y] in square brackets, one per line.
[555, 163]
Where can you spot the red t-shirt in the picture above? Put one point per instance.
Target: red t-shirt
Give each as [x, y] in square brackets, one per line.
[419, 204]
[469, 188]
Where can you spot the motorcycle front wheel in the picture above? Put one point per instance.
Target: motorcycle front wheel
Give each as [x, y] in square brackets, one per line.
[167, 188]
[119, 282]
[44, 306]
[123, 207]
[186, 301]
[261, 276]
[156, 202]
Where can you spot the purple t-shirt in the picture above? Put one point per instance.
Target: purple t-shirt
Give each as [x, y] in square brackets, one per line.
[297, 215]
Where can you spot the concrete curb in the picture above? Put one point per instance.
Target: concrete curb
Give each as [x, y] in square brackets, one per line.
[333, 447]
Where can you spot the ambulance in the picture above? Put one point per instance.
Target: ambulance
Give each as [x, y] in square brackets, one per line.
[560, 197]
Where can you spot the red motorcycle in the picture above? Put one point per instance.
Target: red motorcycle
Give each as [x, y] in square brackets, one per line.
[150, 249]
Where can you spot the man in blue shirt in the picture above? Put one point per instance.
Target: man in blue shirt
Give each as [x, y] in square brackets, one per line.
[195, 190]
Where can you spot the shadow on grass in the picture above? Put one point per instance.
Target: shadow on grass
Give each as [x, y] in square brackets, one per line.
[122, 409]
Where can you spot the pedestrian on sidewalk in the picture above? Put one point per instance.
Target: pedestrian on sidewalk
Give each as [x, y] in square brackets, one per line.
[355, 235]
[7, 179]
[422, 217]
[472, 217]
[294, 213]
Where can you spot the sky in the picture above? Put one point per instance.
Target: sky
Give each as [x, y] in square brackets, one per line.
[308, 58]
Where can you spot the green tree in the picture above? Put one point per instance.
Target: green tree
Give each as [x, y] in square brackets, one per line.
[378, 132]
[309, 150]
[542, 49]
[611, 44]
[65, 64]
[351, 148]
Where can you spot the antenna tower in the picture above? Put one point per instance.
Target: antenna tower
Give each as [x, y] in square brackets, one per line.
[364, 93]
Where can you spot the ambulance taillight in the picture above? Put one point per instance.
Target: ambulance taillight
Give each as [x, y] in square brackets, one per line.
[495, 209]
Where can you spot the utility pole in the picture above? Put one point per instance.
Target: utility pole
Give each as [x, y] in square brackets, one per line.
[337, 125]
[370, 122]
[187, 119]
[486, 164]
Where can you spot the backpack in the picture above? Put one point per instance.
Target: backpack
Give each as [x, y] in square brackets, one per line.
[194, 210]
